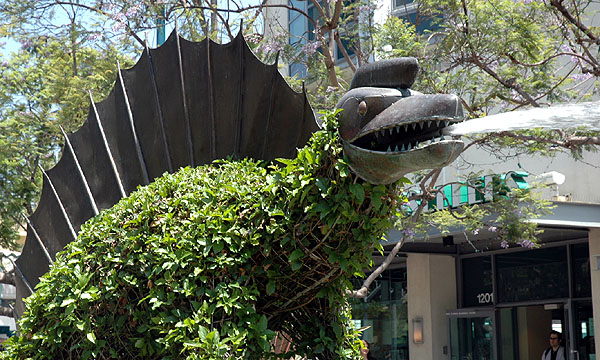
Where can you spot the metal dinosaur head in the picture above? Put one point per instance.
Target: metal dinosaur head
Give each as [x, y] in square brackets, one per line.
[388, 130]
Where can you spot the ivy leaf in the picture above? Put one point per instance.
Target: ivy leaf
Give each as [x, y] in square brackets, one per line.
[295, 255]
[91, 337]
[358, 192]
[66, 302]
[270, 287]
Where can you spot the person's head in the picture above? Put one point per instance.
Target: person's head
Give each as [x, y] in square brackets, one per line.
[364, 350]
[555, 338]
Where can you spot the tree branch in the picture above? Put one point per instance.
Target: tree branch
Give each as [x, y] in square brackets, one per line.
[558, 4]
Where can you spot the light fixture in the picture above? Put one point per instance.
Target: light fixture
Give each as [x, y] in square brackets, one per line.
[417, 324]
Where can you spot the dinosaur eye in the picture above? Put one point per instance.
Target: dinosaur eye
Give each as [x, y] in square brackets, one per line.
[362, 108]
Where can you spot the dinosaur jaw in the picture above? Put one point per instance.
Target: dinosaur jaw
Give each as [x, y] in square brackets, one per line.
[387, 167]
[404, 138]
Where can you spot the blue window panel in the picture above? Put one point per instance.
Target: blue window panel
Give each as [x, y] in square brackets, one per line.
[297, 69]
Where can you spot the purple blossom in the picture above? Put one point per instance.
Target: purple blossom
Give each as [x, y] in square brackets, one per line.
[271, 46]
[118, 26]
[565, 48]
[504, 244]
[526, 244]
[581, 77]
[492, 229]
[5, 63]
[26, 43]
[132, 11]
[331, 89]
[364, 9]
[575, 60]
[96, 36]
[253, 38]
[311, 47]
[408, 233]
[117, 16]
[476, 231]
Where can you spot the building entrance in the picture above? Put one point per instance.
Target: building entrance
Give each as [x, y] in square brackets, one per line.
[472, 335]
[530, 293]
[524, 330]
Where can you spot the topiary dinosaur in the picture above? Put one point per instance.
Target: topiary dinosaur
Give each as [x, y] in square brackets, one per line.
[211, 261]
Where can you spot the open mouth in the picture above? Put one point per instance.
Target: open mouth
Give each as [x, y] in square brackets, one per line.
[403, 137]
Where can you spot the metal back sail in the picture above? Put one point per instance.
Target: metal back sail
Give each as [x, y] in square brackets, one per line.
[183, 104]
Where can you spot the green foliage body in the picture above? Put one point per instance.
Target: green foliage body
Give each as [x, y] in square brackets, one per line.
[208, 263]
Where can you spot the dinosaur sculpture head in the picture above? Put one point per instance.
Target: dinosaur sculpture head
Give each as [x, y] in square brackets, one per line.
[388, 130]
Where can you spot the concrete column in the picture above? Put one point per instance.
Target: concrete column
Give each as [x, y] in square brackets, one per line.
[276, 21]
[594, 246]
[431, 291]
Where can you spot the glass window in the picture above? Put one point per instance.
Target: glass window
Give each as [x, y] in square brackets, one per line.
[402, 3]
[533, 275]
[477, 281]
[383, 315]
[581, 270]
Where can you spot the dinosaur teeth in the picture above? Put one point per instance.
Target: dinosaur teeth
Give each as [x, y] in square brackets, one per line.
[446, 123]
[414, 126]
[438, 123]
[377, 134]
[416, 144]
[408, 147]
[421, 124]
[396, 149]
[429, 124]
[389, 149]
[403, 148]
[405, 127]
[391, 131]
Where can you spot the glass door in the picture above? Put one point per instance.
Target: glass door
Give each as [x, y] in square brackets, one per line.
[583, 331]
[471, 335]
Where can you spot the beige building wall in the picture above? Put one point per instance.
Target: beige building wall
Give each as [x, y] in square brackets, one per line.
[532, 341]
[431, 291]
[594, 246]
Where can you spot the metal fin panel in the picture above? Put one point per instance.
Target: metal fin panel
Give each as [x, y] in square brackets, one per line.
[33, 262]
[147, 117]
[69, 148]
[189, 103]
[166, 73]
[114, 117]
[88, 145]
[198, 98]
[134, 135]
[49, 222]
[257, 87]
[72, 192]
